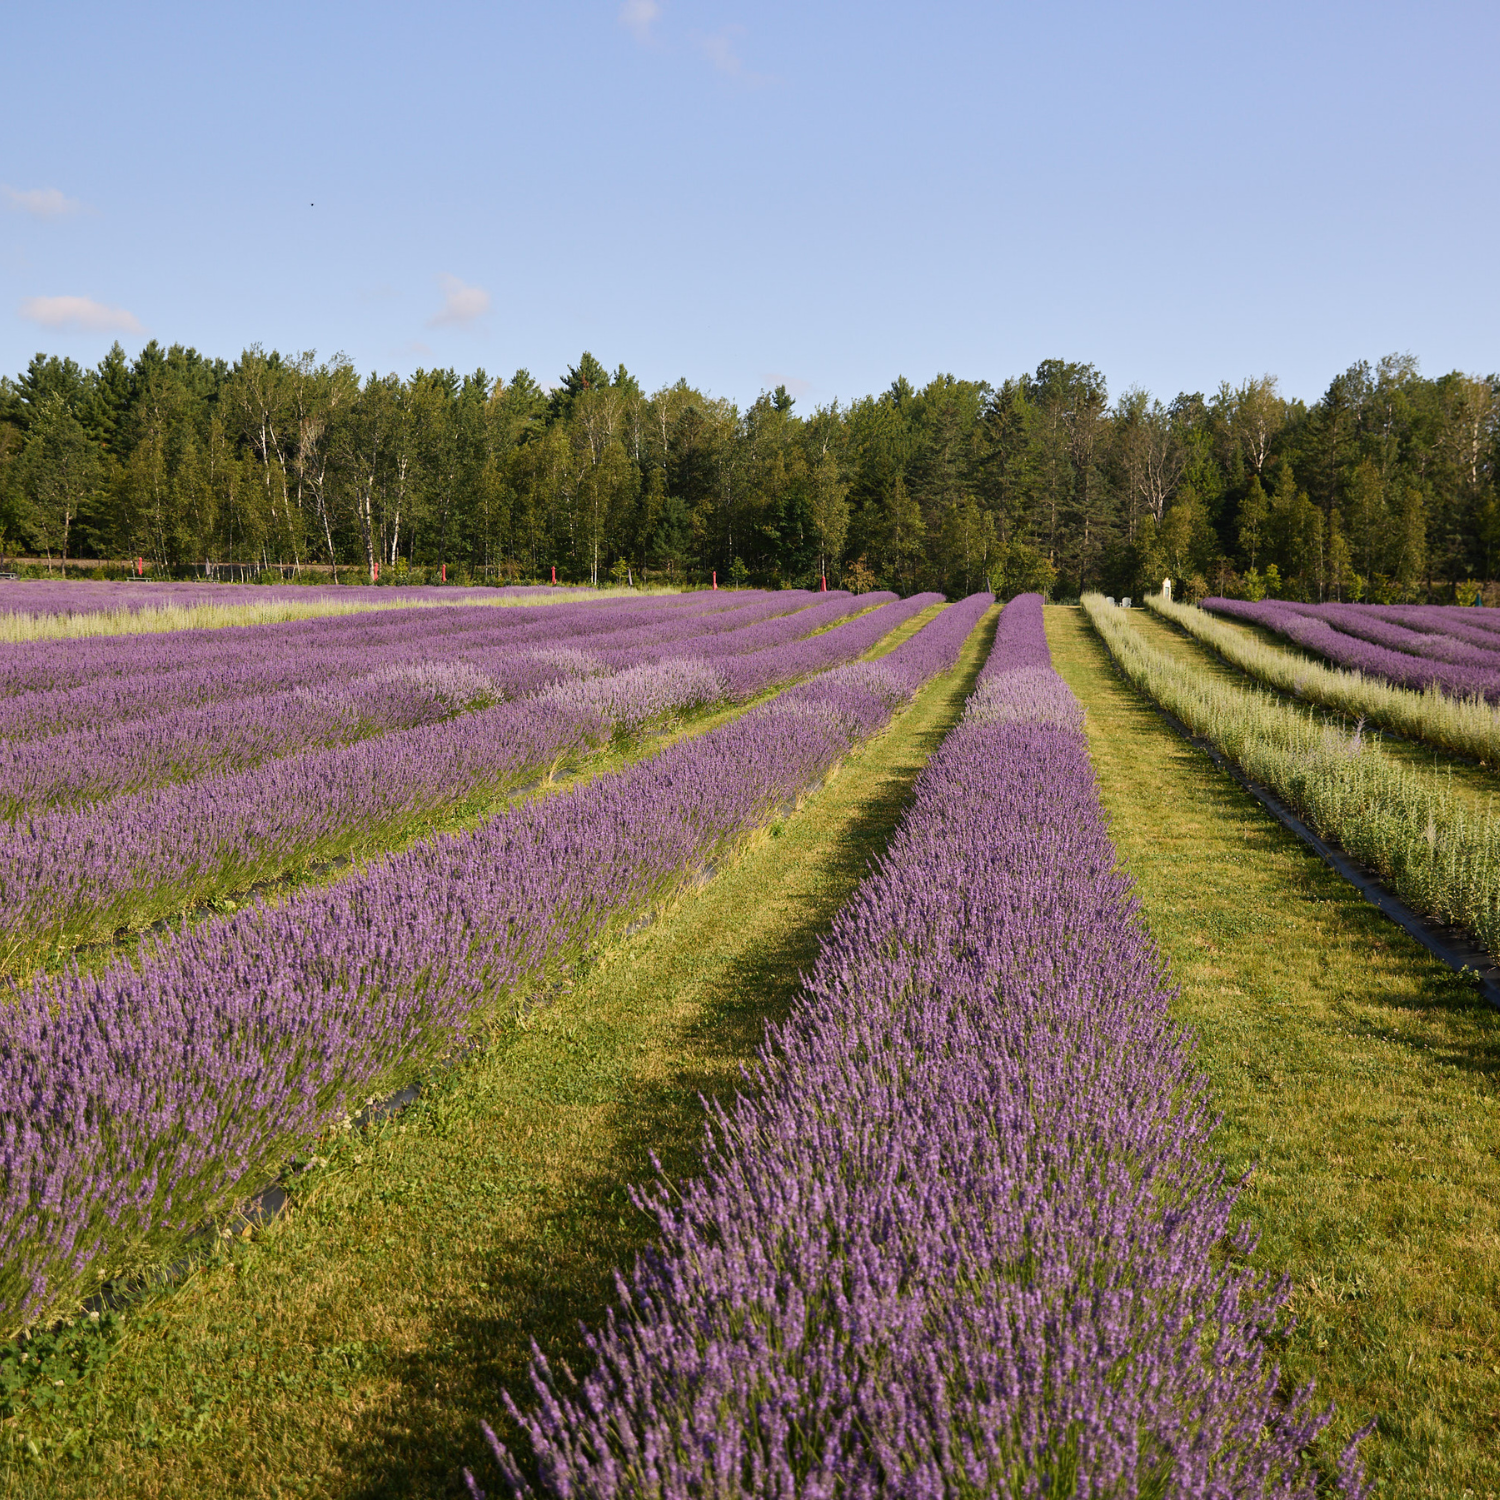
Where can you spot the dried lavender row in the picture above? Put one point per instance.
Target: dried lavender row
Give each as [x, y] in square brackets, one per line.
[345, 700]
[76, 876]
[137, 1100]
[1398, 667]
[966, 1235]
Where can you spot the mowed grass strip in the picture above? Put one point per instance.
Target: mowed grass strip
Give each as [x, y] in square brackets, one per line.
[352, 1348]
[1358, 1083]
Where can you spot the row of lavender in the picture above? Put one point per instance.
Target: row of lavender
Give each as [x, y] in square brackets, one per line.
[135, 1100]
[966, 1235]
[76, 876]
[374, 688]
[87, 596]
[134, 677]
[1413, 647]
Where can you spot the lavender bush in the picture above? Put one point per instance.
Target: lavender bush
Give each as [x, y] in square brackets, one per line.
[1317, 634]
[1457, 622]
[1370, 624]
[339, 698]
[78, 875]
[134, 1100]
[965, 1235]
[45, 689]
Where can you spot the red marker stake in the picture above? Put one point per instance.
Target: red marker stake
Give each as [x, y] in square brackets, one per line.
[716, 581]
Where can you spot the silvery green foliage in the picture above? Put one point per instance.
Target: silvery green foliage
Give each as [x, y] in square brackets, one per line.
[134, 1099]
[965, 1235]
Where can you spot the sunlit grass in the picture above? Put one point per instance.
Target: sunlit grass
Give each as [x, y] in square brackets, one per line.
[1358, 1083]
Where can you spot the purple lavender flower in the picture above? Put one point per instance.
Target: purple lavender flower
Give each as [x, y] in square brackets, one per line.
[133, 1099]
[964, 1235]
[1355, 637]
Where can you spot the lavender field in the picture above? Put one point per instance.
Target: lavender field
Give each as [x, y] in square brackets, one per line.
[954, 1213]
[1443, 646]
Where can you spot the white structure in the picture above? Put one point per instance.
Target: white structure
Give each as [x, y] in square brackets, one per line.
[1125, 603]
[1166, 589]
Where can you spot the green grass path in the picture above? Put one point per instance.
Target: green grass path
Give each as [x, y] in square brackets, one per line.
[1356, 1076]
[352, 1348]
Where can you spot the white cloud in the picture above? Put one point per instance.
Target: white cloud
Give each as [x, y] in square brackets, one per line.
[719, 50]
[42, 203]
[638, 16]
[79, 312]
[462, 305]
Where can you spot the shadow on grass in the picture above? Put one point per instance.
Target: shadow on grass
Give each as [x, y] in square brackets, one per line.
[558, 1271]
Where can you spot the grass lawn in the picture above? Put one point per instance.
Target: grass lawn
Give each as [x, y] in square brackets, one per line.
[352, 1348]
[1358, 1083]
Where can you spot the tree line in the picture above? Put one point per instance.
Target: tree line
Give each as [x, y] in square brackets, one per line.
[1384, 488]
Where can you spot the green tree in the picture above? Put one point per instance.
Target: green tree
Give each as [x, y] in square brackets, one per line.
[1254, 511]
[830, 512]
[60, 472]
[1411, 542]
[902, 534]
[1020, 568]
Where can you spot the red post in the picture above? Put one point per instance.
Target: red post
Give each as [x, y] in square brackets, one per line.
[824, 589]
[445, 572]
[554, 573]
[716, 580]
[140, 567]
[377, 572]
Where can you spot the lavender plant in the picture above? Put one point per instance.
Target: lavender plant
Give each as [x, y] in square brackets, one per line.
[1468, 725]
[1471, 678]
[79, 609]
[78, 875]
[135, 1100]
[362, 690]
[964, 1234]
[47, 689]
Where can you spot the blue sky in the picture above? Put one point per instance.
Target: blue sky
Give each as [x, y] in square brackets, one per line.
[824, 194]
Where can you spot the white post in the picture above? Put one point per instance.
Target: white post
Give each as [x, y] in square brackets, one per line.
[1166, 589]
